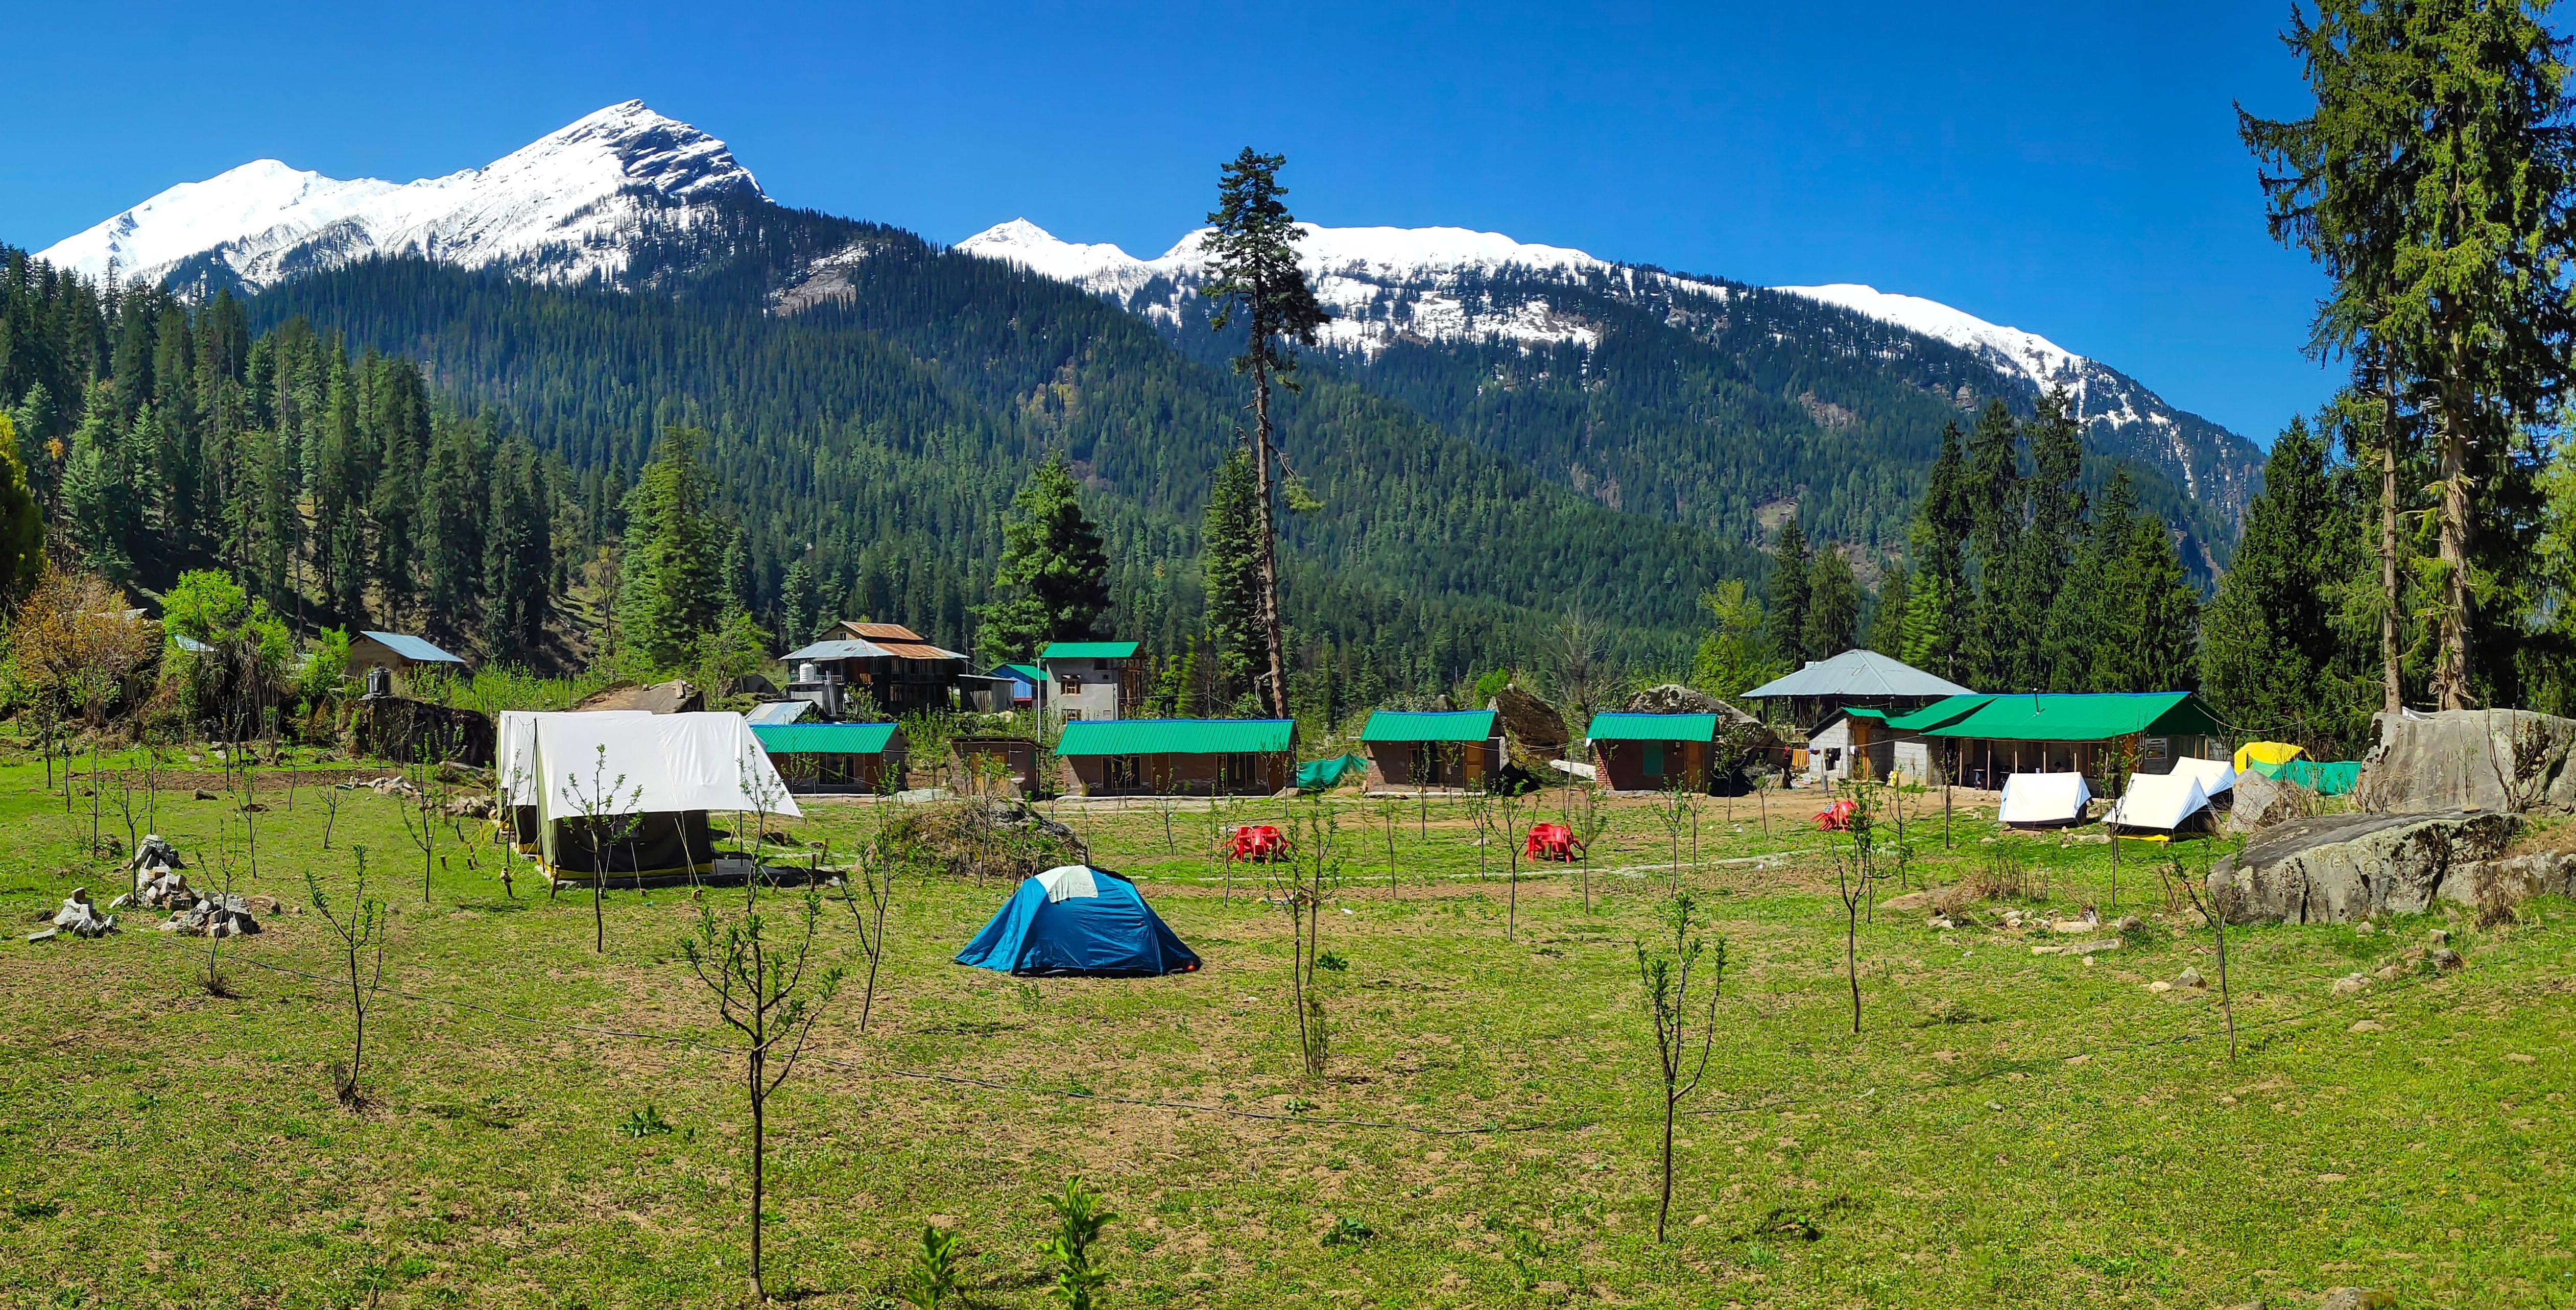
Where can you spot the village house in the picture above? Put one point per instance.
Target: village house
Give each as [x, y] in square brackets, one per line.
[1980, 740]
[398, 654]
[1433, 748]
[888, 663]
[835, 757]
[1091, 680]
[1653, 752]
[1199, 757]
[1842, 706]
[996, 765]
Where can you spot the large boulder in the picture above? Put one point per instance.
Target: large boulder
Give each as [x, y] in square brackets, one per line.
[678, 696]
[2501, 760]
[1532, 728]
[2344, 867]
[2262, 802]
[419, 731]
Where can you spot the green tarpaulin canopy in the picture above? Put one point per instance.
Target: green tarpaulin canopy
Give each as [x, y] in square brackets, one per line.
[2332, 778]
[1318, 775]
[2070, 717]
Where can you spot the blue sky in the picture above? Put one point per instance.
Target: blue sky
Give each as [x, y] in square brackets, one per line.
[2069, 170]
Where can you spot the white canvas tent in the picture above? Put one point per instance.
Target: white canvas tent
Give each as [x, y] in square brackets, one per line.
[2215, 775]
[514, 766]
[2042, 800]
[2160, 802]
[665, 770]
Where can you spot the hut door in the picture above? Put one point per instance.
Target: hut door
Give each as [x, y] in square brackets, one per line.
[1237, 773]
[1654, 759]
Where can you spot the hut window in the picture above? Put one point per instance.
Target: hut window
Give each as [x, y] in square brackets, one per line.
[1654, 765]
[2152, 748]
[1123, 771]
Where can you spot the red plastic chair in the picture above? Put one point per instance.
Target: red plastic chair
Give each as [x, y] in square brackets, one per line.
[1552, 841]
[1258, 843]
[1837, 817]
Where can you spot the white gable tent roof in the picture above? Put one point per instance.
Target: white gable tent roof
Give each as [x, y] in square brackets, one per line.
[514, 750]
[1066, 881]
[2161, 801]
[2043, 798]
[669, 763]
[2215, 775]
[1858, 674]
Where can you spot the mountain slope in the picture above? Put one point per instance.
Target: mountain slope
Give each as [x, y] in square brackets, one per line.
[563, 208]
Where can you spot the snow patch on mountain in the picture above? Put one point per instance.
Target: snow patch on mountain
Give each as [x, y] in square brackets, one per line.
[558, 209]
[1382, 284]
[2035, 357]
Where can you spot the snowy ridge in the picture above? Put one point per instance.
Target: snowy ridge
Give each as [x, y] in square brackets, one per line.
[1382, 284]
[557, 209]
[2043, 361]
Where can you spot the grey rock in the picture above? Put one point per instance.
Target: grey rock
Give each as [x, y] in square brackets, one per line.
[2355, 1298]
[2191, 978]
[2259, 802]
[2349, 984]
[2439, 937]
[2346, 867]
[2500, 760]
[44, 934]
[2447, 960]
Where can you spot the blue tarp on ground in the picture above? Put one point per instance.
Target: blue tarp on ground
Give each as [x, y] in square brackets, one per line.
[1081, 921]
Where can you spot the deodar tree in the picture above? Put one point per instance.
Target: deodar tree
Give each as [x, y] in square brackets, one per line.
[1253, 277]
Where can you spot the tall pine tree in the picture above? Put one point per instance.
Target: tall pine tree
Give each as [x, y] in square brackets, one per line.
[1789, 593]
[1053, 583]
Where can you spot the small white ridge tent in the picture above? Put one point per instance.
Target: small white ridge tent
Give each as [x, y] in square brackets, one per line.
[2159, 802]
[2044, 800]
[593, 772]
[514, 767]
[2215, 775]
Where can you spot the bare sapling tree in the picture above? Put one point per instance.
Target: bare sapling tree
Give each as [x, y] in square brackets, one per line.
[1666, 978]
[766, 791]
[608, 811]
[1672, 809]
[2219, 901]
[761, 990]
[425, 807]
[212, 979]
[1854, 866]
[875, 868]
[359, 941]
[1591, 823]
[1303, 883]
[1389, 816]
[1512, 849]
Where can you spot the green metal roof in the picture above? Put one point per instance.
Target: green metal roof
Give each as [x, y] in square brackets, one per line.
[1088, 650]
[1653, 727]
[824, 738]
[1429, 725]
[1947, 710]
[2093, 717]
[1030, 673]
[1177, 736]
[1864, 712]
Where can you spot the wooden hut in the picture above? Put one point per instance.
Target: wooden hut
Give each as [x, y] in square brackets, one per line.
[996, 765]
[1199, 757]
[816, 758]
[1434, 748]
[398, 653]
[1653, 752]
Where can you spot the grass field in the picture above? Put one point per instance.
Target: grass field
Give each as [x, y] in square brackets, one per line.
[2008, 1129]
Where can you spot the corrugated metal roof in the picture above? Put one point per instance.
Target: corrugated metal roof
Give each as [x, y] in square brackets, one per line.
[1429, 725]
[1028, 673]
[845, 649]
[2082, 717]
[1652, 727]
[880, 631]
[1088, 650]
[189, 644]
[1176, 736]
[778, 713]
[824, 738]
[1857, 673]
[412, 648]
[1947, 710]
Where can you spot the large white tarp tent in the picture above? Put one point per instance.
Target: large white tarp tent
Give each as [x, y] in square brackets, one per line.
[2159, 802]
[591, 773]
[514, 766]
[2215, 775]
[2041, 800]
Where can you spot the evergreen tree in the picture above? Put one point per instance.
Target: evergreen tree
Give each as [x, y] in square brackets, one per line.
[1230, 565]
[2270, 657]
[2145, 617]
[1053, 584]
[518, 556]
[796, 605]
[1833, 606]
[22, 526]
[455, 506]
[1887, 620]
[669, 583]
[1997, 505]
[1252, 274]
[1736, 653]
[1936, 600]
[99, 503]
[393, 437]
[1789, 594]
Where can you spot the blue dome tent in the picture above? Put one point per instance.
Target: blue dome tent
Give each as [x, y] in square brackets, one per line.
[1075, 920]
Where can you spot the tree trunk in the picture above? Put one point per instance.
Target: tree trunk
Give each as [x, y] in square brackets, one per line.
[2393, 699]
[1664, 1211]
[1273, 640]
[2451, 670]
[759, 1126]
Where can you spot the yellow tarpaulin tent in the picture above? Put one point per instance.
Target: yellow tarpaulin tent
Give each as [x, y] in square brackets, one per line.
[2265, 752]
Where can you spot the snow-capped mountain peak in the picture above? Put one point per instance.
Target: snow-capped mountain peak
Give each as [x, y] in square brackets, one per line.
[2043, 361]
[554, 209]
